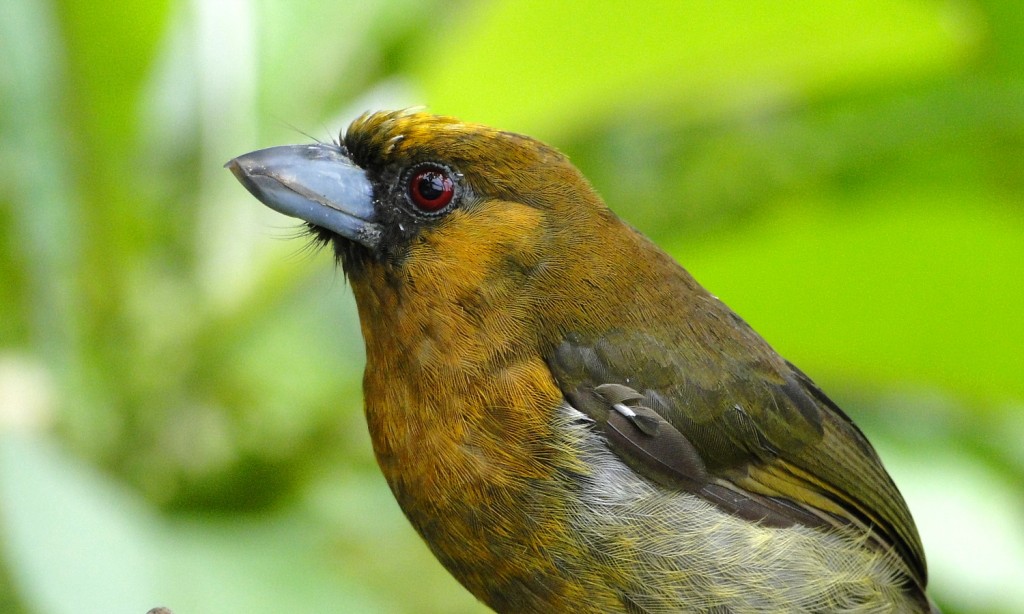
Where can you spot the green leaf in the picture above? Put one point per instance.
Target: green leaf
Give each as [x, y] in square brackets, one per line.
[79, 542]
[902, 287]
[539, 67]
[75, 542]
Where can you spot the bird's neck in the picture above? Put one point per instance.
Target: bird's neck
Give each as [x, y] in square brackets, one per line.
[462, 408]
[459, 416]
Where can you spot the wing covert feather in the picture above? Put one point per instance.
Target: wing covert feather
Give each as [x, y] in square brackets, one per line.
[758, 426]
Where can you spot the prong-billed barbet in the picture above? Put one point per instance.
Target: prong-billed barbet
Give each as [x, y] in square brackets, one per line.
[569, 420]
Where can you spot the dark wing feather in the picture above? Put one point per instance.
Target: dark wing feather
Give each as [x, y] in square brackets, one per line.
[737, 425]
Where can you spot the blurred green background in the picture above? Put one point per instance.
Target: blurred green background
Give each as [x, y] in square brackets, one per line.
[180, 411]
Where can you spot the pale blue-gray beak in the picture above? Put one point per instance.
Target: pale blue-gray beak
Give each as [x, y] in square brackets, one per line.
[317, 183]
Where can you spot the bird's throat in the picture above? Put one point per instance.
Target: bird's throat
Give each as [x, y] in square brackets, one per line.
[462, 409]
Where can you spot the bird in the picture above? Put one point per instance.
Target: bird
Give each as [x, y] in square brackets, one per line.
[567, 418]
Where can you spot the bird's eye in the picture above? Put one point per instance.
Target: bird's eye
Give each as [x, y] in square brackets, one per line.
[431, 188]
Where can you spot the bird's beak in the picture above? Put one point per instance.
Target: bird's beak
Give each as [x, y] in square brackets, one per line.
[318, 184]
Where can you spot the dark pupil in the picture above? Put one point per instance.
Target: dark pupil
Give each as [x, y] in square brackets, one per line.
[431, 186]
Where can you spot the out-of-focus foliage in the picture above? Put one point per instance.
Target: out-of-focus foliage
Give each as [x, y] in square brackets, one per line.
[180, 402]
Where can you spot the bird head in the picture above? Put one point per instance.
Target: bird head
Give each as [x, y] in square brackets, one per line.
[457, 216]
[493, 287]
[403, 188]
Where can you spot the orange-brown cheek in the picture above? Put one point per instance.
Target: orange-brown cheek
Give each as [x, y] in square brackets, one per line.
[466, 248]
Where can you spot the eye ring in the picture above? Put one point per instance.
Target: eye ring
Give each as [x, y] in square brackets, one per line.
[430, 187]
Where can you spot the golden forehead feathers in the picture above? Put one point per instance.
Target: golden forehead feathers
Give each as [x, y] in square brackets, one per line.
[378, 138]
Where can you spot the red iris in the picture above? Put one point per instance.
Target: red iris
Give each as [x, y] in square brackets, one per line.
[431, 188]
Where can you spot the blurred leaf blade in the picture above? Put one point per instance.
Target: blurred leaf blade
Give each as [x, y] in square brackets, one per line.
[541, 67]
[80, 545]
[892, 286]
[84, 544]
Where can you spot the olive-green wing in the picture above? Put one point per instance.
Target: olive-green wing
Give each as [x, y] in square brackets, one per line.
[738, 425]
